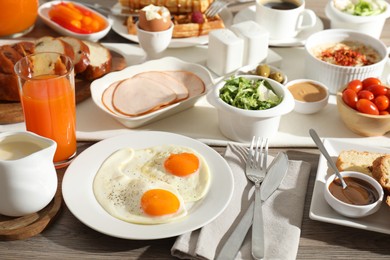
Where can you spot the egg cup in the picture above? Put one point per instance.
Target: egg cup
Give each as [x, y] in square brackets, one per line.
[154, 43]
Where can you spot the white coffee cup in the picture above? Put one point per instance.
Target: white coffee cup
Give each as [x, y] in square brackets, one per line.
[284, 19]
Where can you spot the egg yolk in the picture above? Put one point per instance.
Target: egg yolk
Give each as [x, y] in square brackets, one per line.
[181, 164]
[158, 202]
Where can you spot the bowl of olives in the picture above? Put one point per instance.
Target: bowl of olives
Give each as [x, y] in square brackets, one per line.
[264, 70]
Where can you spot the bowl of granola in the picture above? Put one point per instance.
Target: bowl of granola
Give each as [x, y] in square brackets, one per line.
[336, 56]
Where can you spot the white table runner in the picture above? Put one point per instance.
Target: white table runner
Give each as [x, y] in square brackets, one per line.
[201, 122]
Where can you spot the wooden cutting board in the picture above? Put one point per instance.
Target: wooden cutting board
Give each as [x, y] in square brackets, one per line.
[11, 112]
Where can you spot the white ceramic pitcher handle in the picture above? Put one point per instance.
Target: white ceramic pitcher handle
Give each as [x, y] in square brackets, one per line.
[307, 19]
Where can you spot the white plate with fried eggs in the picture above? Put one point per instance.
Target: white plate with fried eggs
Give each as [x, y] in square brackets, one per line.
[79, 196]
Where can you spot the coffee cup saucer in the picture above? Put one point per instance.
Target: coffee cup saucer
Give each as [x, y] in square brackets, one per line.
[299, 40]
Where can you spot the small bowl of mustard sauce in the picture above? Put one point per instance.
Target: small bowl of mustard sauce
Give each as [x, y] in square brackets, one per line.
[362, 197]
[310, 96]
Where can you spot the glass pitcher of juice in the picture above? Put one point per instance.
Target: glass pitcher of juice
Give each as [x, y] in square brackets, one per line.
[17, 17]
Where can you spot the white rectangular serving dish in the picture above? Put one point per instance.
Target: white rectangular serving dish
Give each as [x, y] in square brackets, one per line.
[321, 211]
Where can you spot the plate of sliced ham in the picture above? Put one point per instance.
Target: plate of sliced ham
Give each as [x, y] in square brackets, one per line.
[151, 91]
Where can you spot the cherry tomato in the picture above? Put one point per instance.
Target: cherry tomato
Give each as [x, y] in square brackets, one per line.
[384, 113]
[350, 98]
[365, 94]
[381, 102]
[377, 90]
[371, 81]
[356, 85]
[367, 107]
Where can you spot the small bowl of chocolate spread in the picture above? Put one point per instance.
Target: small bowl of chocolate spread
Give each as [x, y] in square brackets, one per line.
[362, 197]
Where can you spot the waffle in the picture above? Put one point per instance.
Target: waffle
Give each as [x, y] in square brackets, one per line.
[184, 28]
[174, 6]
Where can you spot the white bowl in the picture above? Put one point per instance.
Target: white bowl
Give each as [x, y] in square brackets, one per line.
[371, 25]
[349, 210]
[307, 107]
[43, 13]
[335, 76]
[168, 63]
[241, 125]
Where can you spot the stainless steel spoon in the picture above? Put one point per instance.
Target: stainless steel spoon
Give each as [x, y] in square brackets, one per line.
[325, 153]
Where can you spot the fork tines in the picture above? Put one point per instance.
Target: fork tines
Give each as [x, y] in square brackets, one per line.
[258, 153]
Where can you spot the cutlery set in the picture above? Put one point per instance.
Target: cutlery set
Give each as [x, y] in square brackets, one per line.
[266, 181]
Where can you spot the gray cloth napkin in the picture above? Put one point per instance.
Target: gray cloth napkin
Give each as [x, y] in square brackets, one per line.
[282, 214]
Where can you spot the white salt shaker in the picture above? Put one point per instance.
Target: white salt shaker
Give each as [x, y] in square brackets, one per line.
[225, 51]
[256, 41]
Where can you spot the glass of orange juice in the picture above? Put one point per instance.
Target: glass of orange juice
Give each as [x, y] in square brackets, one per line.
[47, 93]
[17, 17]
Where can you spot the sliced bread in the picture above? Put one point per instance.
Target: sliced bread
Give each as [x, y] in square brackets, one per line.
[351, 160]
[51, 44]
[81, 53]
[381, 171]
[100, 61]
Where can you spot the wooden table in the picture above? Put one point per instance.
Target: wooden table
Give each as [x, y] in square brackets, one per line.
[68, 238]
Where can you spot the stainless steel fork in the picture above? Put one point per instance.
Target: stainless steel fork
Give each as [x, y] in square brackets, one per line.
[256, 169]
[216, 7]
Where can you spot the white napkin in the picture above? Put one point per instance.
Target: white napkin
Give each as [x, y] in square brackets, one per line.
[282, 214]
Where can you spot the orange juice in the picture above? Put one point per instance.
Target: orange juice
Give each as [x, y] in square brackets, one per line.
[49, 110]
[17, 16]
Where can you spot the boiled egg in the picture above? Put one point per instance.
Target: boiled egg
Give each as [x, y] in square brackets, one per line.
[154, 18]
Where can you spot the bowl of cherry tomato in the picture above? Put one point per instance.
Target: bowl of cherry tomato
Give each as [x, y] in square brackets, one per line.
[364, 106]
[75, 20]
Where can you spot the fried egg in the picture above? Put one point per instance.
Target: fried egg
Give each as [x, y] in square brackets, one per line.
[181, 167]
[129, 196]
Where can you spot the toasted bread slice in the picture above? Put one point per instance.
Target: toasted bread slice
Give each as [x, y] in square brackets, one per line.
[352, 160]
[381, 171]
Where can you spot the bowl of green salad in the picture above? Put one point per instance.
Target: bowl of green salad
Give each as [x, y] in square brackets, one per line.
[250, 105]
[366, 16]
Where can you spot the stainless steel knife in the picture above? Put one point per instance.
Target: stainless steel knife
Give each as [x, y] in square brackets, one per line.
[275, 174]
[271, 182]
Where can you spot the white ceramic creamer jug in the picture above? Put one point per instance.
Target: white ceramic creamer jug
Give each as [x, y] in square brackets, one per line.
[28, 179]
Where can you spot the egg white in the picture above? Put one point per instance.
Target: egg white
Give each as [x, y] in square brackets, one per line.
[192, 187]
[119, 185]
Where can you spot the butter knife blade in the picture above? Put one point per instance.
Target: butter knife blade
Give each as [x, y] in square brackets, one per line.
[275, 174]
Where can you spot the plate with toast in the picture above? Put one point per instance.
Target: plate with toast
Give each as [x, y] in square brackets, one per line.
[186, 33]
[353, 157]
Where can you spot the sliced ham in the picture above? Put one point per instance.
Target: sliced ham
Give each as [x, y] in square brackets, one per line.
[167, 80]
[136, 96]
[81, 53]
[107, 97]
[192, 82]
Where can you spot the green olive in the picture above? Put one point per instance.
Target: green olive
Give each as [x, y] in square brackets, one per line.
[263, 70]
[277, 76]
